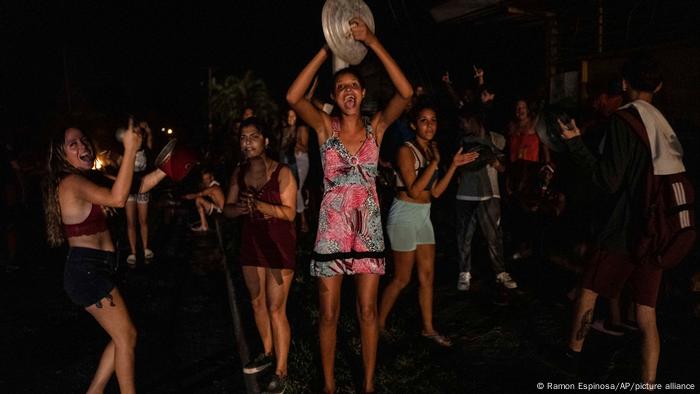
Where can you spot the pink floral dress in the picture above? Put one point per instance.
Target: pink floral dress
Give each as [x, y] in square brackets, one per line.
[349, 239]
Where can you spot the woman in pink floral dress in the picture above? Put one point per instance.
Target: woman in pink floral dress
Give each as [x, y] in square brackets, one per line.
[349, 239]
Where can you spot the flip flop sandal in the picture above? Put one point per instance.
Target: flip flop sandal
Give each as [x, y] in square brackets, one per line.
[439, 339]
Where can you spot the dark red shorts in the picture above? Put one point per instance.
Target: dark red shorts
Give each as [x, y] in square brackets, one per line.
[607, 273]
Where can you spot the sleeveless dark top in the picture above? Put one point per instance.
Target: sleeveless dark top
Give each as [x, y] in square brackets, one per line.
[267, 242]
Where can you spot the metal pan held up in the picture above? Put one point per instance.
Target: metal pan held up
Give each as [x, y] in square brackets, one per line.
[176, 160]
[547, 129]
[335, 19]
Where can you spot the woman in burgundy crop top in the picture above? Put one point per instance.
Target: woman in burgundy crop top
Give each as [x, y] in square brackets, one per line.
[73, 205]
[263, 192]
[96, 222]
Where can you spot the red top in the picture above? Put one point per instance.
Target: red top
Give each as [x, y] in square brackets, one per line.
[96, 222]
[267, 242]
[525, 147]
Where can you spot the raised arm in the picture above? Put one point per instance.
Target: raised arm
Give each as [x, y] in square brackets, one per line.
[116, 196]
[297, 99]
[149, 135]
[150, 180]
[459, 159]
[404, 91]
[447, 82]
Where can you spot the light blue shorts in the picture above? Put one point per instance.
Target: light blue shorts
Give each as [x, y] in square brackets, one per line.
[140, 198]
[409, 225]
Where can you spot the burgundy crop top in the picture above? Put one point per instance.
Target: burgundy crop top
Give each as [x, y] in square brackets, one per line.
[96, 222]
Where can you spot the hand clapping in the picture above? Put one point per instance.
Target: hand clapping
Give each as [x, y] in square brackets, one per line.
[461, 159]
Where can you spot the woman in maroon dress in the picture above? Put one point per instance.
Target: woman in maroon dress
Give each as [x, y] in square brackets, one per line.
[263, 192]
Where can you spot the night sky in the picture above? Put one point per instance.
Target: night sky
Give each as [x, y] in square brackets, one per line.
[150, 56]
[145, 56]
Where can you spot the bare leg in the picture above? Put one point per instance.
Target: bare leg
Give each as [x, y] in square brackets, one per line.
[202, 206]
[105, 369]
[583, 317]
[143, 223]
[403, 267]
[131, 224]
[116, 321]
[329, 299]
[367, 285]
[304, 224]
[646, 319]
[254, 278]
[425, 257]
[278, 282]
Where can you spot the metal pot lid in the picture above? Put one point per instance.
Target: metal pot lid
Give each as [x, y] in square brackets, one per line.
[547, 129]
[165, 153]
[335, 19]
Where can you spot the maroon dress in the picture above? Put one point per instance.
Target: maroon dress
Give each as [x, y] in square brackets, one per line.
[267, 242]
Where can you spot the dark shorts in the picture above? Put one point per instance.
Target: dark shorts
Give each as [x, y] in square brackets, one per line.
[607, 273]
[88, 276]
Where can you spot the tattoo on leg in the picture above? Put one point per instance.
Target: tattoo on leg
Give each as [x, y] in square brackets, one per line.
[585, 325]
[109, 297]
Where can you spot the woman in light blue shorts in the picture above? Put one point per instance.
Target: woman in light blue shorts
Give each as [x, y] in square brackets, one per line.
[409, 228]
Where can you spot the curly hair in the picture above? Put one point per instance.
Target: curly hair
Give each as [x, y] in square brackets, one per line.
[58, 168]
[420, 104]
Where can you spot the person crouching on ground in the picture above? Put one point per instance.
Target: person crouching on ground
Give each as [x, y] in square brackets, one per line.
[408, 226]
[208, 200]
[263, 192]
[74, 201]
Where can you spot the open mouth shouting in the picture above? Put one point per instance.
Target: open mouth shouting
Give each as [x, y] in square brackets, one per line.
[350, 101]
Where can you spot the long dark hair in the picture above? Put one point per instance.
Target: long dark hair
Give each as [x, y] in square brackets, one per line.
[58, 168]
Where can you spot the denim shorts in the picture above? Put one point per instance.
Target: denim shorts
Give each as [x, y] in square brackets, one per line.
[88, 276]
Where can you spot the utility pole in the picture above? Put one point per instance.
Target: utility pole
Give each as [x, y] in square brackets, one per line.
[210, 126]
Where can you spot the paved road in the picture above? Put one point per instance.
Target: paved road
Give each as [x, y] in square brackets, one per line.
[178, 304]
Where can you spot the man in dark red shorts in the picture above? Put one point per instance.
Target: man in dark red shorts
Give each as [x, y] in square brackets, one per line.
[620, 174]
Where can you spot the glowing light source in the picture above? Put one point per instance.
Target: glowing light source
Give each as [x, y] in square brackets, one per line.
[170, 131]
[98, 164]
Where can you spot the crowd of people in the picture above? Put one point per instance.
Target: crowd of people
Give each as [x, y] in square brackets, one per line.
[499, 169]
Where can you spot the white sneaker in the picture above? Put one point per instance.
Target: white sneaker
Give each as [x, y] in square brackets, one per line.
[131, 259]
[507, 282]
[463, 282]
[148, 254]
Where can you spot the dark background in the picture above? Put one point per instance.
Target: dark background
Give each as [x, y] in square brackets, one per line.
[97, 61]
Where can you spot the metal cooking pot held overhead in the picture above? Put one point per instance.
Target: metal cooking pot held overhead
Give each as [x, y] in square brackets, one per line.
[335, 19]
